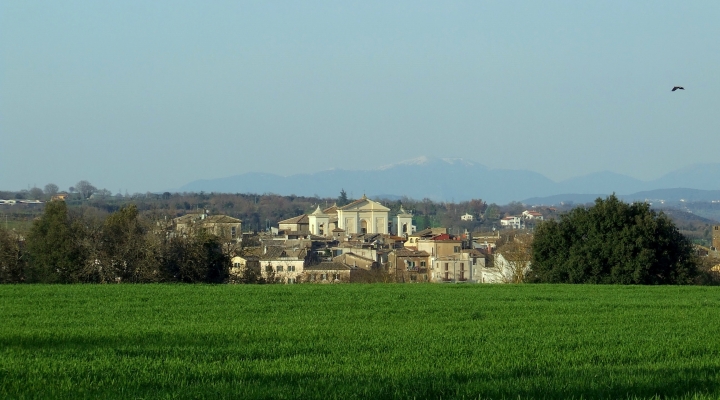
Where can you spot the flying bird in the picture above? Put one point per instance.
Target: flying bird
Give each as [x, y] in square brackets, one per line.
[678, 87]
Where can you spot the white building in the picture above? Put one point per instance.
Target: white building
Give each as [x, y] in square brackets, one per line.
[515, 222]
[532, 215]
[363, 216]
[402, 224]
[467, 217]
[319, 223]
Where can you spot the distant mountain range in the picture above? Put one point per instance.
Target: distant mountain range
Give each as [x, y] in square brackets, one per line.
[452, 179]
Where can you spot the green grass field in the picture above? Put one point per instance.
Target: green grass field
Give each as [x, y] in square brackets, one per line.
[359, 341]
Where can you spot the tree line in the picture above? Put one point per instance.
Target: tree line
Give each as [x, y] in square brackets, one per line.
[610, 242]
[65, 246]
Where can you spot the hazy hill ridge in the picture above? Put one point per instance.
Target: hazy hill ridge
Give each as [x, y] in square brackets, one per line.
[447, 179]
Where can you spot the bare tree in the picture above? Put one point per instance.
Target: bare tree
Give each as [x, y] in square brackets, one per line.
[512, 259]
[36, 193]
[51, 189]
[104, 193]
[85, 188]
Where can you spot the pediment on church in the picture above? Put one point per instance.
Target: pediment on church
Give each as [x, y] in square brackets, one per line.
[364, 204]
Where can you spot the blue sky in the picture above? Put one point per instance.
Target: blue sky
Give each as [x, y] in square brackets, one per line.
[146, 96]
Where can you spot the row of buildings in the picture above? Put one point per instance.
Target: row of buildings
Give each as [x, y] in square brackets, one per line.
[358, 242]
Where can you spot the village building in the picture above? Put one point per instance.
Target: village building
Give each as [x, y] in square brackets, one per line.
[357, 261]
[283, 265]
[413, 239]
[532, 215]
[223, 226]
[408, 265]
[301, 223]
[514, 222]
[241, 264]
[442, 245]
[329, 272]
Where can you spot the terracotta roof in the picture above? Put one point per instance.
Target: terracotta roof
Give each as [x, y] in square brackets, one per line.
[406, 252]
[350, 253]
[215, 219]
[275, 252]
[300, 219]
[473, 252]
[220, 219]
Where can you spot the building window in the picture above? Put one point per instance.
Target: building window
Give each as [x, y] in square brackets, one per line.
[446, 266]
[233, 232]
[279, 268]
[462, 266]
[422, 263]
[268, 268]
[456, 249]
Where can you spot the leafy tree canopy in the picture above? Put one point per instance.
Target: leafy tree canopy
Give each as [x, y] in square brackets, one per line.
[612, 242]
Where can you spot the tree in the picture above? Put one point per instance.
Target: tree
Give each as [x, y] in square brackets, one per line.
[104, 193]
[85, 189]
[51, 189]
[52, 246]
[513, 258]
[12, 260]
[342, 199]
[612, 242]
[125, 246]
[195, 257]
[492, 212]
[36, 193]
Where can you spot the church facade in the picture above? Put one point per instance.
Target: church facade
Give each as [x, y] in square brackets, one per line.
[363, 216]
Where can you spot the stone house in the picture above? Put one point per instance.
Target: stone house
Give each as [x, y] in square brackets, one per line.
[409, 265]
[283, 265]
[223, 226]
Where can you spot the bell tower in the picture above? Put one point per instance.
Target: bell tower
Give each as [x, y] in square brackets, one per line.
[402, 223]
